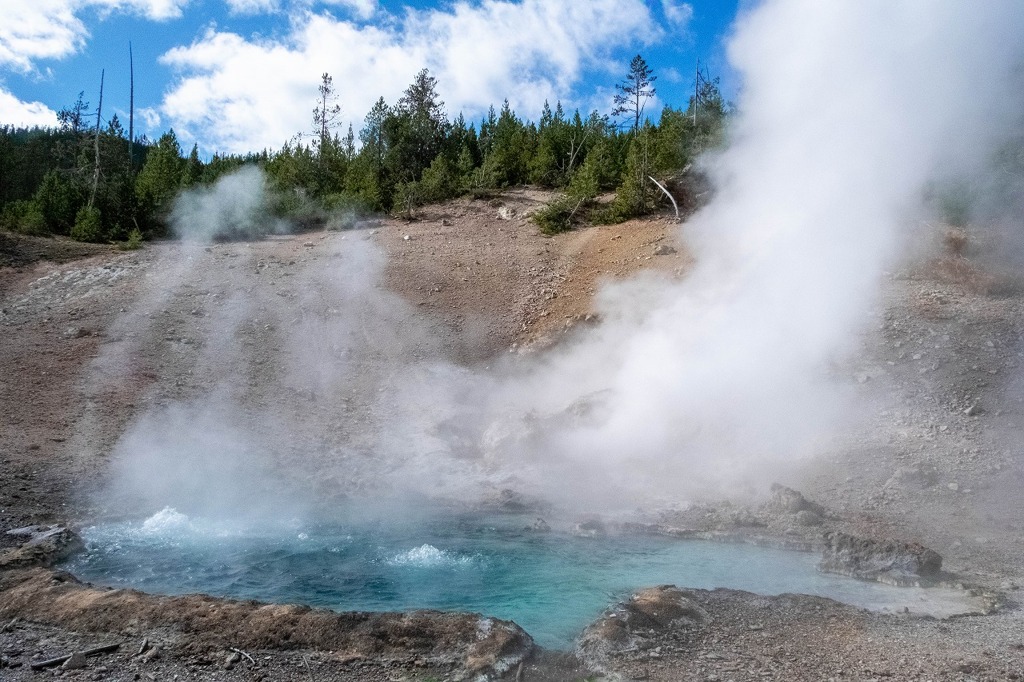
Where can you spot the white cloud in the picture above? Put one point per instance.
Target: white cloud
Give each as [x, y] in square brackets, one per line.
[15, 112]
[360, 9]
[150, 116]
[252, 6]
[239, 94]
[671, 74]
[32, 30]
[364, 9]
[677, 13]
[45, 29]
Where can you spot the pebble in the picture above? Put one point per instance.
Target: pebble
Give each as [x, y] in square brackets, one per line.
[232, 660]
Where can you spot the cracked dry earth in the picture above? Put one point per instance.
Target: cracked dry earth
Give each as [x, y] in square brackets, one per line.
[90, 339]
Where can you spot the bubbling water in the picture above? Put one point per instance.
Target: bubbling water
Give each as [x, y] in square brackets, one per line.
[552, 584]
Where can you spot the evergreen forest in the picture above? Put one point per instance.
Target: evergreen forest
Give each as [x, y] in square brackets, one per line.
[88, 179]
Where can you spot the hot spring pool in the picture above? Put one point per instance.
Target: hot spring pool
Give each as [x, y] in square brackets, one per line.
[551, 584]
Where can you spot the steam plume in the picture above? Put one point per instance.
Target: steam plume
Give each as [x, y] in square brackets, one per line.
[847, 112]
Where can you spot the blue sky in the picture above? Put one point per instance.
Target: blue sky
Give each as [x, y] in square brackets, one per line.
[241, 75]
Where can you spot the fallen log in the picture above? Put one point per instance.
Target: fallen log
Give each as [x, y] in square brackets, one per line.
[49, 663]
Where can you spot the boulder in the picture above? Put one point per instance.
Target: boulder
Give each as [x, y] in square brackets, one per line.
[44, 546]
[885, 561]
[788, 501]
[500, 646]
[650, 612]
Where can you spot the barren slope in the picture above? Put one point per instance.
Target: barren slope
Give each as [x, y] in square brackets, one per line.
[88, 345]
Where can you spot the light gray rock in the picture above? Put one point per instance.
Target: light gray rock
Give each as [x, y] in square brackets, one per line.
[806, 517]
[45, 546]
[913, 477]
[646, 613]
[886, 561]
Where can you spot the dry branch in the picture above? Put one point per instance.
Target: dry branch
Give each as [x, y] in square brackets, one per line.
[49, 663]
[239, 651]
[670, 197]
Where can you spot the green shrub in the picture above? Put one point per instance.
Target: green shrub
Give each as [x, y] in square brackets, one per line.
[88, 225]
[557, 216]
[440, 181]
[134, 242]
[23, 216]
[345, 210]
[59, 197]
[407, 196]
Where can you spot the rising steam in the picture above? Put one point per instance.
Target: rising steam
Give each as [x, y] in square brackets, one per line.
[848, 112]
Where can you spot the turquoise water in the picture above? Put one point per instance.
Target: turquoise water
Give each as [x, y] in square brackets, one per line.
[551, 584]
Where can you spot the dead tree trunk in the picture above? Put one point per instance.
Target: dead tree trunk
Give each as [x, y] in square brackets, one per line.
[131, 111]
[96, 145]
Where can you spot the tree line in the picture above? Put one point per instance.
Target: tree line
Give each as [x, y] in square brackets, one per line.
[95, 184]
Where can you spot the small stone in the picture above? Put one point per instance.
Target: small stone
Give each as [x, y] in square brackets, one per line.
[973, 411]
[232, 660]
[407, 237]
[307, 244]
[954, 486]
[76, 662]
[664, 250]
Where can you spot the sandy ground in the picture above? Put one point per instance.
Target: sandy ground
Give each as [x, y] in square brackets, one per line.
[90, 340]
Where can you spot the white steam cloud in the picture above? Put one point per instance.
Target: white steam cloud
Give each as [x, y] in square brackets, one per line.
[236, 205]
[848, 111]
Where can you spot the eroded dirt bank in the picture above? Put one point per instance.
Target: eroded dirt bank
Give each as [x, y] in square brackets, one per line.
[89, 345]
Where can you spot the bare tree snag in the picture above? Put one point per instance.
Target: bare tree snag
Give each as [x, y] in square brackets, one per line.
[96, 165]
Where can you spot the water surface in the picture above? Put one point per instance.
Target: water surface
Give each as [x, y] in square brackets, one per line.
[551, 584]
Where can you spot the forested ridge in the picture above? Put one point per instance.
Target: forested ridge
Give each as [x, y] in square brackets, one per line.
[93, 183]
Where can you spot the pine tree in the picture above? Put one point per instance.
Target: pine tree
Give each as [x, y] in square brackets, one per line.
[368, 178]
[193, 168]
[326, 113]
[416, 130]
[636, 195]
[72, 118]
[160, 180]
[635, 91]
